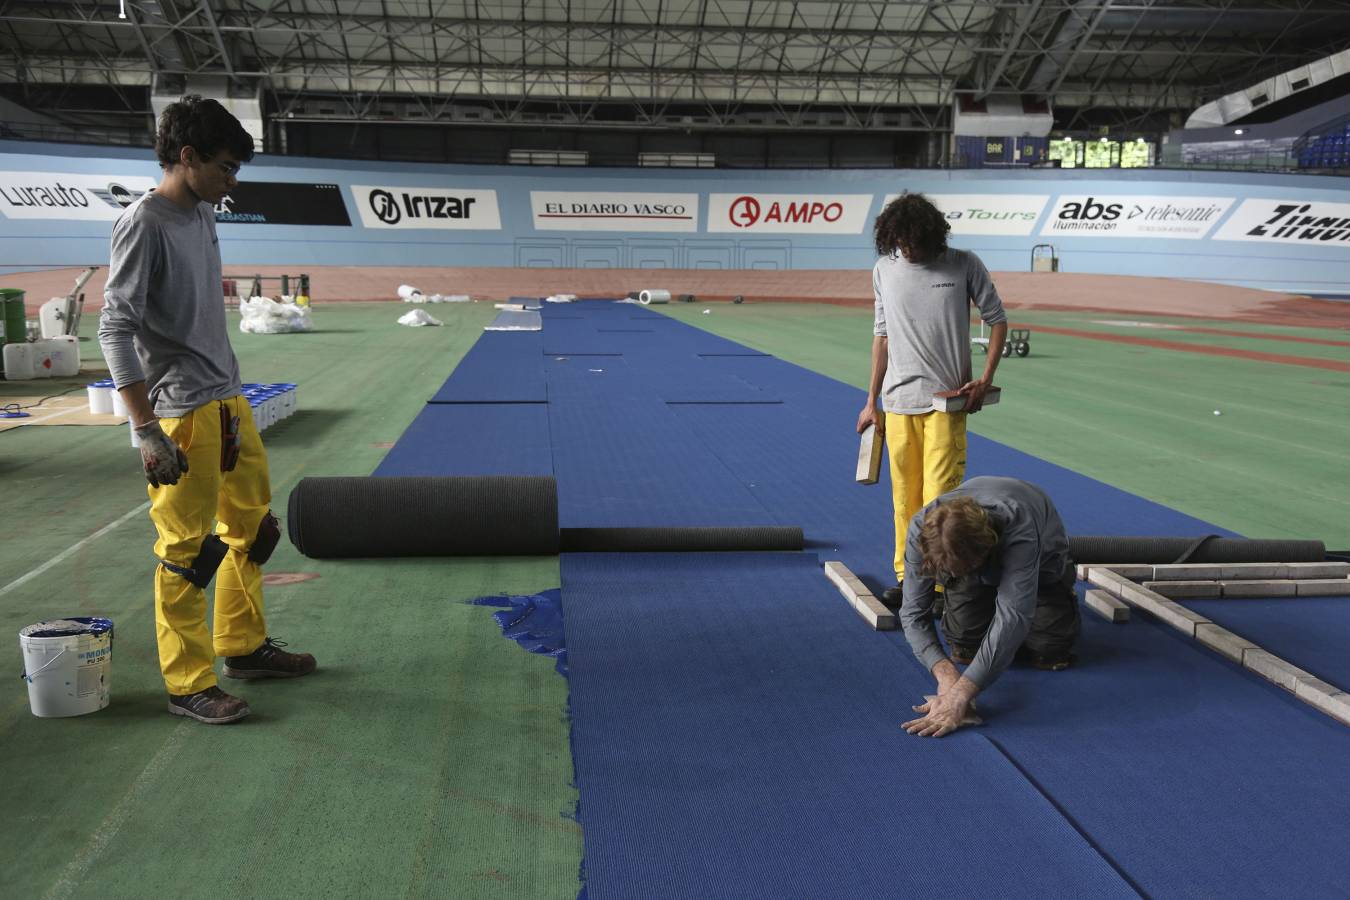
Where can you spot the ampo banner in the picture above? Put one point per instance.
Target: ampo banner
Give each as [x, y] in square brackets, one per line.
[48, 195]
[427, 207]
[788, 213]
[1186, 218]
[613, 211]
[1011, 214]
[1305, 222]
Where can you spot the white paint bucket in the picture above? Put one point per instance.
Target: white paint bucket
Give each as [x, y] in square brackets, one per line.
[119, 406]
[68, 665]
[647, 298]
[100, 398]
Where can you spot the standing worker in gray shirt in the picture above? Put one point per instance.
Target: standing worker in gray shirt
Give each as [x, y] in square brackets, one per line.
[163, 332]
[999, 546]
[921, 346]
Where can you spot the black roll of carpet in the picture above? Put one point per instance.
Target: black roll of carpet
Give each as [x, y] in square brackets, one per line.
[508, 515]
[1107, 549]
[352, 518]
[679, 540]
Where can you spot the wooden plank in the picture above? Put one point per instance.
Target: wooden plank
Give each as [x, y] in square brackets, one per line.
[1322, 587]
[1174, 590]
[1275, 670]
[859, 597]
[1261, 571]
[1318, 570]
[1125, 570]
[1108, 580]
[871, 447]
[1233, 646]
[1325, 697]
[1106, 606]
[1187, 572]
[1259, 588]
[1174, 614]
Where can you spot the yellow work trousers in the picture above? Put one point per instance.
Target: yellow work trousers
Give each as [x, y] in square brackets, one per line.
[928, 459]
[184, 514]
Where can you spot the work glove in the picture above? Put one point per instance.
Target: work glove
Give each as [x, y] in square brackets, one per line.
[164, 461]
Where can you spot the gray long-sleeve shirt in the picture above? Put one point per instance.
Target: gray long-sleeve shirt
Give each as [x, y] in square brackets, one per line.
[923, 309]
[1032, 549]
[163, 316]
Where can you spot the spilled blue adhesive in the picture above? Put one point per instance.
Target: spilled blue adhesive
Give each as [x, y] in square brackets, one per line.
[534, 622]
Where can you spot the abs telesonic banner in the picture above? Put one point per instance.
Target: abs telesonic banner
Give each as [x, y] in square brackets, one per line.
[788, 213]
[48, 195]
[1308, 223]
[613, 211]
[1014, 214]
[427, 207]
[1187, 218]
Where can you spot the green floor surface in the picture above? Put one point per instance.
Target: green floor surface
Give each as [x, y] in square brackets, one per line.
[427, 758]
[1272, 464]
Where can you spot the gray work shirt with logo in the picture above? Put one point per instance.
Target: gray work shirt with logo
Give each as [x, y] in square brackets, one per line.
[923, 309]
[163, 316]
[1032, 549]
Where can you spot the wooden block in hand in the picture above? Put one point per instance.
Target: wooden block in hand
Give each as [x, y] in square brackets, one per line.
[871, 448]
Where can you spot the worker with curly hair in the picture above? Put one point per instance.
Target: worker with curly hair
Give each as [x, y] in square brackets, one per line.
[920, 346]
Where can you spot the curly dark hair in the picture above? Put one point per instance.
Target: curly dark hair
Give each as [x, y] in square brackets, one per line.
[204, 125]
[913, 222]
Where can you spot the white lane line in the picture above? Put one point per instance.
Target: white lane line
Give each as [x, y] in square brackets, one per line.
[71, 550]
[75, 871]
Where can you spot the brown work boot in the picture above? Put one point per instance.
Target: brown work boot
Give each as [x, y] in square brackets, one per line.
[212, 706]
[269, 661]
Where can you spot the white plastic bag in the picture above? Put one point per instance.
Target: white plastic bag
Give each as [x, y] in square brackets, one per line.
[417, 318]
[262, 315]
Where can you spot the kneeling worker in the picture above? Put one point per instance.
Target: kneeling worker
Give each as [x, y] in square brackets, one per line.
[999, 547]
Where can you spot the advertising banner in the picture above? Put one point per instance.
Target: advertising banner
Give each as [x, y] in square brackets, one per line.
[613, 211]
[1304, 222]
[427, 207]
[1187, 218]
[1010, 214]
[283, 203]
[89, 198]
[788, 213]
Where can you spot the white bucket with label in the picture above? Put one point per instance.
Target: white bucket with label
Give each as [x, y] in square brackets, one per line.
[68, 665]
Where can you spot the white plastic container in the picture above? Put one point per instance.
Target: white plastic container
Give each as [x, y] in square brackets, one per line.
[67, 665]
[100, 398]
[406, 292]
[119, 408]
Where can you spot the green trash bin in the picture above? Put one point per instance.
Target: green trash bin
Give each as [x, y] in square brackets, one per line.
[13, 329]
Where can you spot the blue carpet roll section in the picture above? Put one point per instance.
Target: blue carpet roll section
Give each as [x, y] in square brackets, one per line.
[631, 463]
[734, 735]
[1197, 778]
[1313, 633]
[502, 367]
[473, 439]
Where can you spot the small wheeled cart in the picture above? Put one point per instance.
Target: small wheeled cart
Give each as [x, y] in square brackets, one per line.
[1018, 342]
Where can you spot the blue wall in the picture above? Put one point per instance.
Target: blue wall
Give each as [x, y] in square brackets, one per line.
[1312, 258]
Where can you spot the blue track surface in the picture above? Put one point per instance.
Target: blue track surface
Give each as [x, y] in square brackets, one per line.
[735, 724]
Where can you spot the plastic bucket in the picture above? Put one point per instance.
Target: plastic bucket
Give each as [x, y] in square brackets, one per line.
[100, 398]
[119, 407]
[67, 664]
